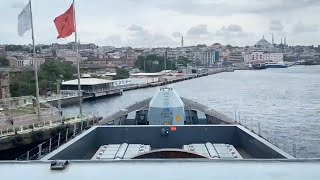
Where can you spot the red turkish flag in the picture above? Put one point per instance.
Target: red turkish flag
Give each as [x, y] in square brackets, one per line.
[65, 23]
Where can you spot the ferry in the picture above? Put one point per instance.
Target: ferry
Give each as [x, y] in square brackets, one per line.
[259, 66]
[276, 65]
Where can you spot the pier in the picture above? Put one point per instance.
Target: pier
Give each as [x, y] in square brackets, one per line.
[93, 87]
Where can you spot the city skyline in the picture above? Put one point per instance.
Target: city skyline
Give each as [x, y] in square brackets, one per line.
[139, 23]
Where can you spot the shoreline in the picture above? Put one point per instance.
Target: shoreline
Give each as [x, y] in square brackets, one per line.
[71, 101]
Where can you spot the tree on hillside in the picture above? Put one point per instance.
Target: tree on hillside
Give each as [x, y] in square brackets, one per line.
[13, 47]
[4, 62]
[229, 46]
[152, 62]
[50, 73]
[182, 61]
[121, 74]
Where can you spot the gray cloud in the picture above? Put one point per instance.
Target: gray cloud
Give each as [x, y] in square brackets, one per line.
[226, 8]
[232, 29]
[198, 30]
[176, 34]
[114, 26]
[135, 28]
[304, 28]
[17, 5]
[234, 34]
[276, 25]
[143, 37]
[113, 40]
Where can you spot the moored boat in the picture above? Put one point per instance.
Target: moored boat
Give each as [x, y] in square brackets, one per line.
[259, 66]
[276, 65]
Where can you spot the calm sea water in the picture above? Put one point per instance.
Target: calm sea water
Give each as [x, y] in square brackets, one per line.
[284, 101]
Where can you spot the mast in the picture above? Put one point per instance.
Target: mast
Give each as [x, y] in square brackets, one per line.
[35, 63]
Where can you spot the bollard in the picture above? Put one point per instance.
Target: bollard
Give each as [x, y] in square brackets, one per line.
[50, 141]
[294, 149]
[67, 131]
[28, 155]
[74, 130]
[59, 139]
[40, 148]
[7, 130]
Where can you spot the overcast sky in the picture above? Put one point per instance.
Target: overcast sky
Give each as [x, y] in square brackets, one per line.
[144, 23]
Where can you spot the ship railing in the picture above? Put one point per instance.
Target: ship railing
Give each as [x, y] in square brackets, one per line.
[56, 141]
[30, 123]
[285, 144]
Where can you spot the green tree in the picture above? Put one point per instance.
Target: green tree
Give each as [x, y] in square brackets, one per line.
[183, 61]
[121, 74]
[289, 58]
[152, 62]
[229, 46]
[12, 47]
[4, 62]
[50, 73]
[199, 63]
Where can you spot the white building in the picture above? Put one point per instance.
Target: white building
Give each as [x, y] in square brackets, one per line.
[209, 57]
[25, 61]
[114, 55]
[263, 56]
[263, 51]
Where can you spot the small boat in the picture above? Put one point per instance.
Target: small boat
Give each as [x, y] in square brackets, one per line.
[276, 65]
[259, 66]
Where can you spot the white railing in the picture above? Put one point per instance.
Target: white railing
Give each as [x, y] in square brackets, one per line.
[32, 124]
[285, 144]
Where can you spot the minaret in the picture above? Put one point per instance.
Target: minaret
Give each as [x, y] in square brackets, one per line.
[263, 37]
[182, 42]
[272, 39]
[285, 40]
[281, 41]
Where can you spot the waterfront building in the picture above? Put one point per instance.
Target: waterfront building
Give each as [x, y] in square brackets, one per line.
[235, 57]
[263, 51]
[209, 57]
[263, 56]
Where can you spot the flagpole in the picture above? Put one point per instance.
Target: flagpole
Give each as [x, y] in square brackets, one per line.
[78, 62]
[35, 63]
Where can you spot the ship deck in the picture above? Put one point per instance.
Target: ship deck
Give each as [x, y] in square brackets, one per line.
[165, 169]
[179, 140]
[189, 105]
